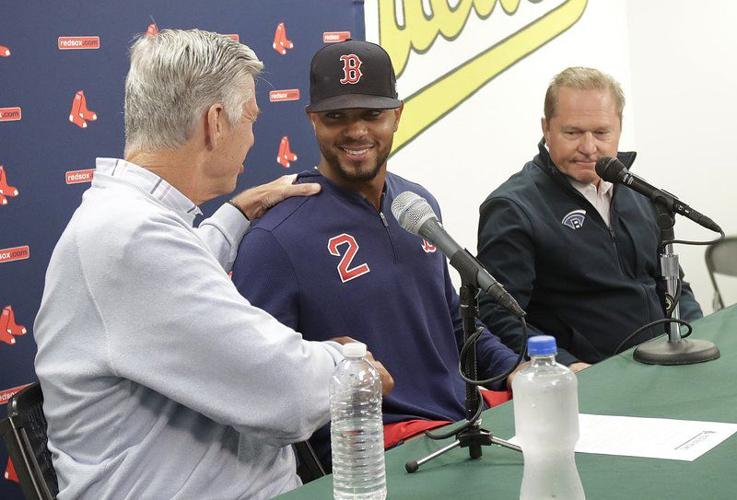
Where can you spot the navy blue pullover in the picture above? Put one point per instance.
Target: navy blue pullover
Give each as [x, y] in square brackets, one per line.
[394, 293]
[589, 286]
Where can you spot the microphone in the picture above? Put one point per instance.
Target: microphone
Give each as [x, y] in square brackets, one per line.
[614, 171]
[415, 215]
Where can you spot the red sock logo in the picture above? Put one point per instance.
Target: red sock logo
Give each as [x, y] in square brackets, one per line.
[4, 51]
[5, 335]
[11, 326]
[285, 154]
[281, 42]
[85, 113]
[5, 189]
[80, 114]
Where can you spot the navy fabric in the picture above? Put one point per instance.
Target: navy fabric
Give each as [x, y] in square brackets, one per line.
[404, 308]
[589, 287]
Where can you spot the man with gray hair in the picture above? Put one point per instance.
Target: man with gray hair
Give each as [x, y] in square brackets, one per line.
[577, 253]
[159, 379]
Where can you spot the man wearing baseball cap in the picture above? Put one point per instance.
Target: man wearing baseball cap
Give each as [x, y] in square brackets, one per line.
[339, 264]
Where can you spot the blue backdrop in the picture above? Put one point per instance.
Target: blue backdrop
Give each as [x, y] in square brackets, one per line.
[51, 52]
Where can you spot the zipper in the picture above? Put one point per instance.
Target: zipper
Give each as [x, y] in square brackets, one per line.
[383, 220]
[385, 223]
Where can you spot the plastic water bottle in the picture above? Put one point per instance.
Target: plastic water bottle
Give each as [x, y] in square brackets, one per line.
[356, 428]
[546, 422]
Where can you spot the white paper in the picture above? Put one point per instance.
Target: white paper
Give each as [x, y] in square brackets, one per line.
[649, 437]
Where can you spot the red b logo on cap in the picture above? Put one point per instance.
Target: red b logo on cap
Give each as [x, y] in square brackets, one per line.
[351, 69]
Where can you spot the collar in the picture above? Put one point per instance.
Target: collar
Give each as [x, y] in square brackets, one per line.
[148, 182]
[604, 189]
[329, 186]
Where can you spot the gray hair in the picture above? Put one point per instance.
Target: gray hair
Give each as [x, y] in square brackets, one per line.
[580, 78]
[175, 76]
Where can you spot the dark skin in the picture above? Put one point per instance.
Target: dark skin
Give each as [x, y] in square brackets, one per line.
[354, 147]
[387, 381]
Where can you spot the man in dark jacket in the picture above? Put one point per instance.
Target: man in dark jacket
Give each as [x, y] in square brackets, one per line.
[579, 254]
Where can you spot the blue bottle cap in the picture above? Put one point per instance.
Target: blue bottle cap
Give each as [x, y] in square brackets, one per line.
[541, 345]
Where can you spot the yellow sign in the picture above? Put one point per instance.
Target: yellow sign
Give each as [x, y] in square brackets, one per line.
[432, 102]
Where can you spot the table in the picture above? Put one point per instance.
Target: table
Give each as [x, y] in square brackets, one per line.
[616, 386]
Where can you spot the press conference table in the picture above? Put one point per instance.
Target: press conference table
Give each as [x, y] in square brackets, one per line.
[617, 386]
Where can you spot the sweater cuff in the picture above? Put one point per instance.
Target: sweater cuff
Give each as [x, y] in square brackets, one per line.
[231, 222]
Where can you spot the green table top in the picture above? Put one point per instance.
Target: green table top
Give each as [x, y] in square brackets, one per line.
[617, 386]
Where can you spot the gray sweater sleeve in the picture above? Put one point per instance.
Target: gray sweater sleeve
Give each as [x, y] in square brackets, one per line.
[222, 233]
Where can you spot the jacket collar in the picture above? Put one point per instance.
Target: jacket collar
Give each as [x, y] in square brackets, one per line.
[327, 185]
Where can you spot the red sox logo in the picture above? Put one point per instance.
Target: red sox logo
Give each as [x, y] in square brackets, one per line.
[428, 247]
[346, 272]
[9, 329]
[351, 69]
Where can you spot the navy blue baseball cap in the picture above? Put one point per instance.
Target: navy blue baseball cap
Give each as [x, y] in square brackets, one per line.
[352, 74]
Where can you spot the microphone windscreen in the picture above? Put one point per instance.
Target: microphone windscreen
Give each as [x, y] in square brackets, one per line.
[610, 169]
[412, 211]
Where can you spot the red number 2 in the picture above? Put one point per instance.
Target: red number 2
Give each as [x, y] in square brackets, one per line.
[344, 272]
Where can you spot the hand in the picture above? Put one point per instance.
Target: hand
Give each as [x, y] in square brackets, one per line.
[578, 366]
[344, 340]
[387, 381]
[511, 376]
[254, 202]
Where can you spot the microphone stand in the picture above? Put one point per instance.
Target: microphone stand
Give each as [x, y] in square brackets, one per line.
[469, 435]
[677, 350]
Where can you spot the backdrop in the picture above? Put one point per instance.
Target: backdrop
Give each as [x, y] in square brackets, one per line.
[62, 71]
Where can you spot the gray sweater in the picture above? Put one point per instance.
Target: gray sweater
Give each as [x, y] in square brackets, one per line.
[160, 380]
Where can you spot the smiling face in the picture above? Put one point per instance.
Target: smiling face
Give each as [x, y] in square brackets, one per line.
[355, 144]
[585, 127]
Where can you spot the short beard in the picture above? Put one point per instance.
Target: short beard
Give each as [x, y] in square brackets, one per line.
[353, 176]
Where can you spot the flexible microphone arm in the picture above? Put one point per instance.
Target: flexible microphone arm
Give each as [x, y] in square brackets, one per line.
[614, 171]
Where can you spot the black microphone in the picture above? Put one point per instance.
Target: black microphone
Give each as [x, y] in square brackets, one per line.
[415, 214]
[614, 171]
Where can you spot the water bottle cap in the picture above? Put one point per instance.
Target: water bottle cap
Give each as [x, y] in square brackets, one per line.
[354, 350]
[542, 345]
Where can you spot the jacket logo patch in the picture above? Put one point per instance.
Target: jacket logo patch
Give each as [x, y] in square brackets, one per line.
[428, 247]
[574, 219]
[345, 271]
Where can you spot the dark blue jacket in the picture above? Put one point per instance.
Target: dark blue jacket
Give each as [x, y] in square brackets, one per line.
[589, 286]
[391, 291]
